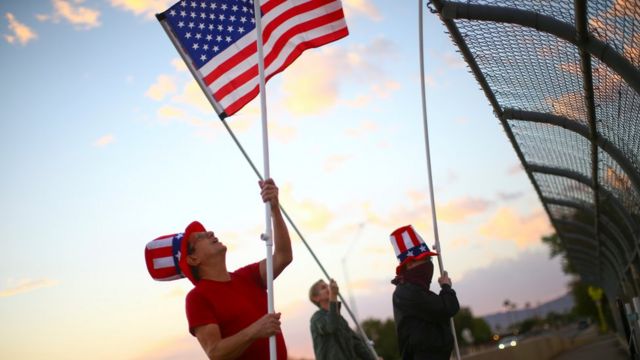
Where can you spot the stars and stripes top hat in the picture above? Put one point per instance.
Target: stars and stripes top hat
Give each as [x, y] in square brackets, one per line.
[162, 256]
[409, 246]
[166, 256]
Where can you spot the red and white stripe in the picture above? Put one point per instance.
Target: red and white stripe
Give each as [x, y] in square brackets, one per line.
[289, 28]
[159, 258]
[405, 238]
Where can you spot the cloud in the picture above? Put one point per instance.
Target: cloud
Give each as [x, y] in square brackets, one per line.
[146, 8]
[618, 180]
[530, 277]
[19, 31]
[569, 105]
[193, 96]
[311, 215]
[82, 17]
[282, 132]
[312, 84]
[504, 196]
[179, 65]
[385, 89]
[333, 162]
[104, 140]
[460, 209]
[170, 112]
[524, 231]
[190, 106]
[632, 50]
[164, 85]
[571, 68]
[417, 215]
[454, 61]
[364, 128]
[515, 169]
[364, 7]
[26, 285]
[624, 8]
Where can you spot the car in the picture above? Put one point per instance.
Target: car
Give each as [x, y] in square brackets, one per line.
[509, 341]
[583, 324]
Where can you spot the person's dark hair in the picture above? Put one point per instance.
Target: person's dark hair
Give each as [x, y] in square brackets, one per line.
[194, 269]
[313, 291]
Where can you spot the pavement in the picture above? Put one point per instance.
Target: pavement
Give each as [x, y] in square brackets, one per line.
[606, 347]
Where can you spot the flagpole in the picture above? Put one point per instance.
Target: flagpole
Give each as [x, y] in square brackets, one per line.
[268, 235]
[428, 154]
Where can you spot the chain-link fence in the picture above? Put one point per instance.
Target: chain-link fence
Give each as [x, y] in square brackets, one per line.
[563, 77]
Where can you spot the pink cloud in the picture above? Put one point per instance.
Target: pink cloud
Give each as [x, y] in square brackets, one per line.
[460, 209]
[523, 230]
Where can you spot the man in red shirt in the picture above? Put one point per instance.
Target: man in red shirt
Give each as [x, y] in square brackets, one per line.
[227, 311]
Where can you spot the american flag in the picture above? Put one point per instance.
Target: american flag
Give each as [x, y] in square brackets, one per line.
[219, 39]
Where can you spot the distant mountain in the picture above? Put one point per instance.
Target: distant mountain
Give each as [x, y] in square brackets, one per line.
[502, 320]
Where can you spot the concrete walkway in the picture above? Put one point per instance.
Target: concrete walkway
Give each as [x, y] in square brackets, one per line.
[605, 347]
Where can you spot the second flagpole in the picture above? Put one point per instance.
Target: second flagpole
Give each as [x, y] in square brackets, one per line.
[428, 154]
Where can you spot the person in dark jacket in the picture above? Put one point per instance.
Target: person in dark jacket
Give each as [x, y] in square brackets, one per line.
[422, 317]
[332, 337]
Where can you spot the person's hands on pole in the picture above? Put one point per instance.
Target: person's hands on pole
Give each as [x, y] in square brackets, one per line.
[334, 290]
[444, 279]
[269, 193]
[266, 326]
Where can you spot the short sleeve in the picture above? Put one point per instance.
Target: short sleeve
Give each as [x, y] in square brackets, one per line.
[199, 312]
[252, 273]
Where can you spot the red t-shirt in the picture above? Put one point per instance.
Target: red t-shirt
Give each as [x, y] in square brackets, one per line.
[233, 305]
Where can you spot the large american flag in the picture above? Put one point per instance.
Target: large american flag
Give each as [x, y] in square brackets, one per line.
[218, 38]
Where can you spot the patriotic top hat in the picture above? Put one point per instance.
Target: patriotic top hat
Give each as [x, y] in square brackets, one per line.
[409, 246]
[166, 256]
[162, 256]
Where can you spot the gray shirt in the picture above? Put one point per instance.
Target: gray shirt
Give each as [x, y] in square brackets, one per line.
[333, 339]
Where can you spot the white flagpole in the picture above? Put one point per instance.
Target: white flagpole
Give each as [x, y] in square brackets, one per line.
[426, 142]
[267, 236]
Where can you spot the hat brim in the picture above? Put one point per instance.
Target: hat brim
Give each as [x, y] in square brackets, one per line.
[194, 227]
[414, 258]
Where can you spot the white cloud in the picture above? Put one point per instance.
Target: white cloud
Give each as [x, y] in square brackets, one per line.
[312, 216]
[146, 8]
[365, 127]
[333, 162]
[26, 285]
[364, 7]
[164, 85]
[193, 96]
[282, 132]
[104, 140]
[312, 84]
[71, 11]
[515, 169]
[179, 65]
[19, 31]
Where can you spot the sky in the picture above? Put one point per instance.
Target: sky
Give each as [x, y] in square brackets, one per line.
[106, 143]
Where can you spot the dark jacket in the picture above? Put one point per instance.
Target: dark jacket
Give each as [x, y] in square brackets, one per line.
[333, 339]
[423, 321]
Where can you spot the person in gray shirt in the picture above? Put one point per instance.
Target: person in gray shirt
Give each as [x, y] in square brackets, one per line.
[333, 339]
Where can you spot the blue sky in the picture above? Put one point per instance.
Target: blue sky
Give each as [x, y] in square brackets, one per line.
[106, 143]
